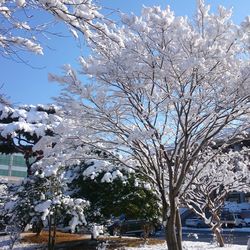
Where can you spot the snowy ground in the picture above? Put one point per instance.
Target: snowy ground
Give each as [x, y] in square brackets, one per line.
[5, 243]
[189, 245]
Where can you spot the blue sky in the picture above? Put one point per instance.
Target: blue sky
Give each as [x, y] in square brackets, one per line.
[29, 85]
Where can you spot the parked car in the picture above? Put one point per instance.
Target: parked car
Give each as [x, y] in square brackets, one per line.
[232, 220]
[247, 221]
[132, 227]
[195, 222]
[245, 214]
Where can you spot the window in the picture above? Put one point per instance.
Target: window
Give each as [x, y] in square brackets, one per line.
[4, 172]
[18, 160]
[247, 197]
[5, 159]
[18, 173]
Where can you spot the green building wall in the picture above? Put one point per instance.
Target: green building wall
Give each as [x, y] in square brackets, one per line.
[12, 166]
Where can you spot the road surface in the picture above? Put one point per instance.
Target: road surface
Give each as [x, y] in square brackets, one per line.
[237, 236]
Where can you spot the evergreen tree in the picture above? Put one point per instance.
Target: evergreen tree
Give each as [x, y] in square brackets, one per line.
[126, 194]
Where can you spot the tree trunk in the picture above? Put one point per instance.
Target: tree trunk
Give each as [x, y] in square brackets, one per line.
[29, 171]
[218, 236]
[54, 229]
[216, 230]
[171, 237]
[165, 206]
[173, 242]
[49, 240]
[179, 229]
[39, 227]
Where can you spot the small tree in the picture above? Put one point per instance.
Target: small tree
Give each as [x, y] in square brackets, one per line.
[206, 196]
[41, 201]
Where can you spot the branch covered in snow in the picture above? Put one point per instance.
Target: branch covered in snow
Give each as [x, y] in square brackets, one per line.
[23, 126]
[20, 30]
[227, 172]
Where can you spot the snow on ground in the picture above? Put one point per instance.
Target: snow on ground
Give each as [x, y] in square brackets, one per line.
[187, 245]
[190, 245]
[5, 244]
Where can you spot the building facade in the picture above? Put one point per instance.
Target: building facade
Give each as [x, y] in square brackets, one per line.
[12, 167]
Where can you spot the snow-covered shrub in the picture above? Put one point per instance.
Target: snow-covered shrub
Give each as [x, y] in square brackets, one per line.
[123, 195]
[39, 198]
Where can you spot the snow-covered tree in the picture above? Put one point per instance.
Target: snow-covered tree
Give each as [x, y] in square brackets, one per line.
[228, 172]
[7, 194]
[42, 200]
[20, 31]
[160, 89]
[114, 193]
[22, 127]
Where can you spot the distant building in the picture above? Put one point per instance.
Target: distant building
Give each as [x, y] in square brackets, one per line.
[238, 197]
[12, 167]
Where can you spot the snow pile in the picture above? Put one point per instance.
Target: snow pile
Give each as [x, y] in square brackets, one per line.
[96, 167]
[5, 242]
[97, 230]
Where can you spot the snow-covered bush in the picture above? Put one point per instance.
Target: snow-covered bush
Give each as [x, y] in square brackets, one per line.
[39, 199]
[114, 193]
